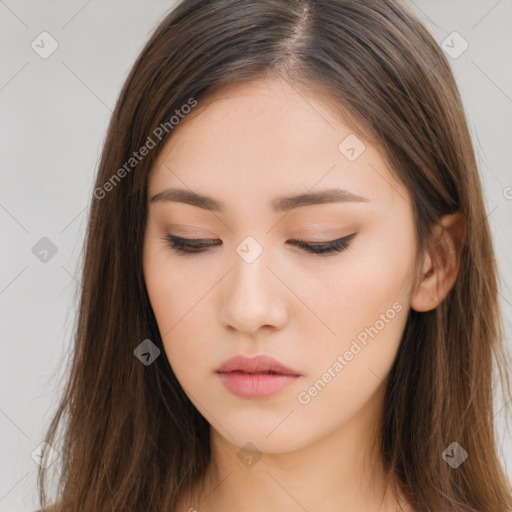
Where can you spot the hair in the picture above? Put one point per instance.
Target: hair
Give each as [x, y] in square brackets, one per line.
[131, 439]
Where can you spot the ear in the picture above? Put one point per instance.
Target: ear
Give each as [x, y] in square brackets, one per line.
[441, 263]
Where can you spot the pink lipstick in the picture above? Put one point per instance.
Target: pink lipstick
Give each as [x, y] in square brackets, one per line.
[255, 377]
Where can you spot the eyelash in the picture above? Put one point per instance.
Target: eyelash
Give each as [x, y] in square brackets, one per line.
[184, 246]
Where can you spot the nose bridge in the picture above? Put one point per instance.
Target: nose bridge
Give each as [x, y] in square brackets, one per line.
[252, 297]
[251, 276]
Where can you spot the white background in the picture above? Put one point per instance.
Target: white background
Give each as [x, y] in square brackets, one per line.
[53, 117]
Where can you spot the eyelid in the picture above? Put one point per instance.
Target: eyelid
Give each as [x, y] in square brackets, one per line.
[210, 241]
[189, 246]
[324, 242]
[199, 242]
[328, 248]
[306, 239]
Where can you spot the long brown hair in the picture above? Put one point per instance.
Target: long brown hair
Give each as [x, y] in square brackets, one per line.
[131, 439]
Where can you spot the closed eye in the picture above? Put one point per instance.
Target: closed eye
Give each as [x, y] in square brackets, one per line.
[196, 245]
[333, 246]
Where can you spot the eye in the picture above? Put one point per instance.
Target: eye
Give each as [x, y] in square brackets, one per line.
[189, 245]
[321, 248]
[196, 245]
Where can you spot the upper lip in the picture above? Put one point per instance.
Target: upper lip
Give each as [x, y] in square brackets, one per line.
[254, 364]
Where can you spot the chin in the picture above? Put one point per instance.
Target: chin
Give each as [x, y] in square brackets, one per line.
[264, 437]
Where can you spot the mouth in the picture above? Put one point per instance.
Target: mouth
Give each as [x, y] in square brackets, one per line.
[268, 372]
[256, 377]
[256, 365]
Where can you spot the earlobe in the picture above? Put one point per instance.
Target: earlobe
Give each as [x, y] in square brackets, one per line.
[441, 263]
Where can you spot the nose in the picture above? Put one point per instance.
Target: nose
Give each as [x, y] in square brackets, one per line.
[254, 297]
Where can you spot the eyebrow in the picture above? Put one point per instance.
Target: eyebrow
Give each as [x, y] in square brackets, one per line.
[279, 204]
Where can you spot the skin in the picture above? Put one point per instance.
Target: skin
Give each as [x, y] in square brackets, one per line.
[247, 145]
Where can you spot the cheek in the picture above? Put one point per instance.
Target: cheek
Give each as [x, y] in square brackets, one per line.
[352, 295]
[366, 303]
[347, 369]
[176, 303]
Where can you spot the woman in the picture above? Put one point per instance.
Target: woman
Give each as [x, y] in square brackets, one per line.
[289, 290]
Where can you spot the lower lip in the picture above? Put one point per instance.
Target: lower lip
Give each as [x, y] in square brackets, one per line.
[259, 385]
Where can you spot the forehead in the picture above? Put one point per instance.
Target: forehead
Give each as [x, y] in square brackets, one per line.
[266, 138]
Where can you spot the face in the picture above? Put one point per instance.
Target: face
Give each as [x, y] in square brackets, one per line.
[250, 288]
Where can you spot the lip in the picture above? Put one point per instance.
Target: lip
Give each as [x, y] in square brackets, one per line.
[239, 376]
[260, 363]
